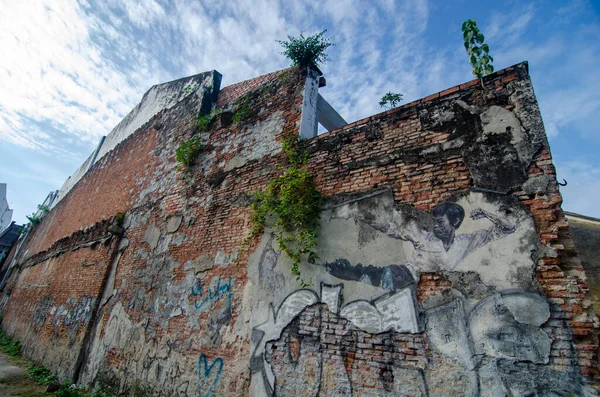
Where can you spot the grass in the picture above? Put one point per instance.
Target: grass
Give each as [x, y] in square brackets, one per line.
[40, 375]
[10, 346]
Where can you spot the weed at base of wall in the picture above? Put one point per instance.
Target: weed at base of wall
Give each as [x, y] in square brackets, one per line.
[10, 346]
[40, 375]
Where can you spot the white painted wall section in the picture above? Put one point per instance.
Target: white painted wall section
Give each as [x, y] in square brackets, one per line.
[158, 98]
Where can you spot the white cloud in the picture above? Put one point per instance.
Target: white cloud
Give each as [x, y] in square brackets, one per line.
[52, 72]
[509, 27]
[79, 67]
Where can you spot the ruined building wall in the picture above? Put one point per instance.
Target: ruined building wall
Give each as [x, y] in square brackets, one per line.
[444, 263]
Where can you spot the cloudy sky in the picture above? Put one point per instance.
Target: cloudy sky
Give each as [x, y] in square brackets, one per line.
[69, 71]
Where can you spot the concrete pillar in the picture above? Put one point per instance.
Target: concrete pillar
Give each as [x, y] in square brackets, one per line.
[309, 120]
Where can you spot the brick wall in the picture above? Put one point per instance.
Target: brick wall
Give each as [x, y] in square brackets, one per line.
[174, 312]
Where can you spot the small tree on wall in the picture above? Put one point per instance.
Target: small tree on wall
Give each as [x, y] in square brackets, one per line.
[479, 52]
[304, 51]
[390, 100]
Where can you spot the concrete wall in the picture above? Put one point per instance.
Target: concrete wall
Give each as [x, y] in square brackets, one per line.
[204, 86]
[444, 267]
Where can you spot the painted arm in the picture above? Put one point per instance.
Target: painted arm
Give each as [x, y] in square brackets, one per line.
[501, 225]
[407, 234]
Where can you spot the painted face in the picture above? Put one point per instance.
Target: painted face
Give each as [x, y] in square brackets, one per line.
[442, 228]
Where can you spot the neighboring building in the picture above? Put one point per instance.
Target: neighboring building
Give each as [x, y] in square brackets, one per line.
[444, 266]
[9, 231]
[585, 231]
[7, 239]
[5, 211]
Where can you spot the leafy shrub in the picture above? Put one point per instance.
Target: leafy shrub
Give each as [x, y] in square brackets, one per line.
[188, 151]
[36, 219]
[40, 375]
[390, 100]
[304, 51]
[478, 51]
[205, 122]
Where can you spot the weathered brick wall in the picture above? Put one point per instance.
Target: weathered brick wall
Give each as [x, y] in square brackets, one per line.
[468, 146]
[54, 299]
[152, 305]
[500, 307]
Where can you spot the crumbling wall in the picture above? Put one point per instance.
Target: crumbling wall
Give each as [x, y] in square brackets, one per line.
[169, 298]
[444, 264]
[50, 302]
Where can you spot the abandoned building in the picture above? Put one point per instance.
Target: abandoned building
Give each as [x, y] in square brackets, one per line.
[444, 264]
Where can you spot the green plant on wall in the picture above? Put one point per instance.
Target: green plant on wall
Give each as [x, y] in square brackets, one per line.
[479, 52]
[390, 100]
[206, 121]
[243, 112]
[188, 151]
[304, 51]
[294, 202]
[36, 218]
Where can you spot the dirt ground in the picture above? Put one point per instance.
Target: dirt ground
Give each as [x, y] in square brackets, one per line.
[13, 378]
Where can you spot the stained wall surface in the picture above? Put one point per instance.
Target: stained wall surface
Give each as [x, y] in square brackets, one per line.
[444, 266]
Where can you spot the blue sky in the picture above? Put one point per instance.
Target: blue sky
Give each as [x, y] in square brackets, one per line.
[69, 71]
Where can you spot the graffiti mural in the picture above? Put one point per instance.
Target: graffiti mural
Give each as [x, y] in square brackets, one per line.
[218, 289]
[443, 247]
[208, 374]
[394, 312]
[364, 333]
[467, 352]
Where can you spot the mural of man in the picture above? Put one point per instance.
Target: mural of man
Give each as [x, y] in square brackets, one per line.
[442, 248]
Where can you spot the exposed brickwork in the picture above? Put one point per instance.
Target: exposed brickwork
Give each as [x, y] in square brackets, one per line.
[177, 295]
[563, 278]
[235, 91]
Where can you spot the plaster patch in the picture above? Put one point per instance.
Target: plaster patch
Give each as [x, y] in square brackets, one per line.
[152, 235]
[173, 223]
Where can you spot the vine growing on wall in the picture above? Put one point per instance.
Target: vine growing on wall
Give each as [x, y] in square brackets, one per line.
[294, 203]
